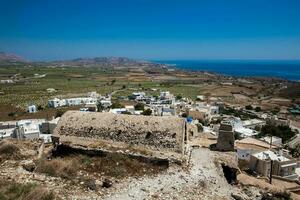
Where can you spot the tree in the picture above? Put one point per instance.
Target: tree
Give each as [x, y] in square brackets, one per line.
[283, 132]
[275, 111]
[179, 96]
[12, 114]
[147, 112]
[184, 115]
[40, 107]
[117, 104]
[295, 151]
[59, 113]
[257, 109]
[249, 107]
[124, 87]
[139, 106]
[100, 107]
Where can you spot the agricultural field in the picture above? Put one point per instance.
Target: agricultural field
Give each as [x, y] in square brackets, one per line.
[32, 81]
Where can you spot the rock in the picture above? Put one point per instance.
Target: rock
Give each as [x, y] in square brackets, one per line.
[236, 196]
[29, 166]
[90, 184]
[107, 183]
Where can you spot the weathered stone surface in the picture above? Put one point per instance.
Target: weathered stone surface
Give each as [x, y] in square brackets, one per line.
[225, 138]
[154, 132]
[107, 183]
[29, 165]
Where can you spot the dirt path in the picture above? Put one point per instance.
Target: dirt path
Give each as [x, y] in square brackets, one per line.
[201, 181]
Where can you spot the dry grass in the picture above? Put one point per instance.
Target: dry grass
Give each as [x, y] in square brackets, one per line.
[9, 151]
[29, 191]
[66, 169]
[110, 165]
[117, 165]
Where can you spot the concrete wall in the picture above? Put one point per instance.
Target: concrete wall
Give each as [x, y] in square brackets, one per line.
[149, 131]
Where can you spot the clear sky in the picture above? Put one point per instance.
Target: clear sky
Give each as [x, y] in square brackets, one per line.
[151, 29]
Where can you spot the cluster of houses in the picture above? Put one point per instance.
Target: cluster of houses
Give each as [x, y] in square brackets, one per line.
[88, 103]
[28, 129]
[263, 156]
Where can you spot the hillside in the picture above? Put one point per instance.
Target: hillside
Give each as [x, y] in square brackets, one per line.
[9, 58]
[101, 62]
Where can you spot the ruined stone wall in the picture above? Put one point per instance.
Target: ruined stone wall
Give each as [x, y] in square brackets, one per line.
[150, 131]
[225, 138]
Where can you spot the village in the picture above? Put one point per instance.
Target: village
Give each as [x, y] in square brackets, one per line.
[167, 128]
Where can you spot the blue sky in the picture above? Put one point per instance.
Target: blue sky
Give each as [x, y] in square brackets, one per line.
[151, 29]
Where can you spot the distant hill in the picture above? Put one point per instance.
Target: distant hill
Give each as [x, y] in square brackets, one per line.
[97, 61]
[9, 58]
[106, 62]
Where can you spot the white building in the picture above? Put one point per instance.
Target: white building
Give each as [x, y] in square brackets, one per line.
[238, 128]
[201, 97]
[6, 133]
[118, 110]
[54, 103]
[214, 110]
[106, 103]
[46, 138]
[32, 109]
[253, 123]
[29, 129]
[273, 139]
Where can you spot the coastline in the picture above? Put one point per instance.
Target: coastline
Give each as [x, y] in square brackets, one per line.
[285, 70]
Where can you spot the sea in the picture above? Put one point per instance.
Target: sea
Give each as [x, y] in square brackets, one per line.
[289, 70]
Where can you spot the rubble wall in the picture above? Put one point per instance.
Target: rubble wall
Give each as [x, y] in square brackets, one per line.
[150, 131]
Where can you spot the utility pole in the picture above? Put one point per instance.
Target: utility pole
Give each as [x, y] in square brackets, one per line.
[271, 171]
[271, 142]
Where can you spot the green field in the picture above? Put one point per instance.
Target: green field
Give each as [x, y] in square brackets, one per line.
[72, 81]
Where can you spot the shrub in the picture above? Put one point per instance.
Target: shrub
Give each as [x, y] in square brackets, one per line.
[276, 196]
[117, 104]
[184, 115]
[139, 106]
[59, 113]
[66, 169]
[147, 112]
[283, 132]
[179, 96]
[9, 151]
[249, 107]
[13, 190]
[295, 151]
[12, 114]
[257, 109]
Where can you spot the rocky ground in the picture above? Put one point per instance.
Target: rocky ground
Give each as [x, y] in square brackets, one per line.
[202, 178]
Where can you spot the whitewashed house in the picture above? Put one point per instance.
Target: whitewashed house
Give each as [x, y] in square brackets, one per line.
[28, 129]
[6, 133]
[32, 109]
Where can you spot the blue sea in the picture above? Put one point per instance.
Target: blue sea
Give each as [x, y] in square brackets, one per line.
[289, 70]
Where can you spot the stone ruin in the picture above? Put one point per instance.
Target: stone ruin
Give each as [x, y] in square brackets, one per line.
[94, 130]
[226, 137]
